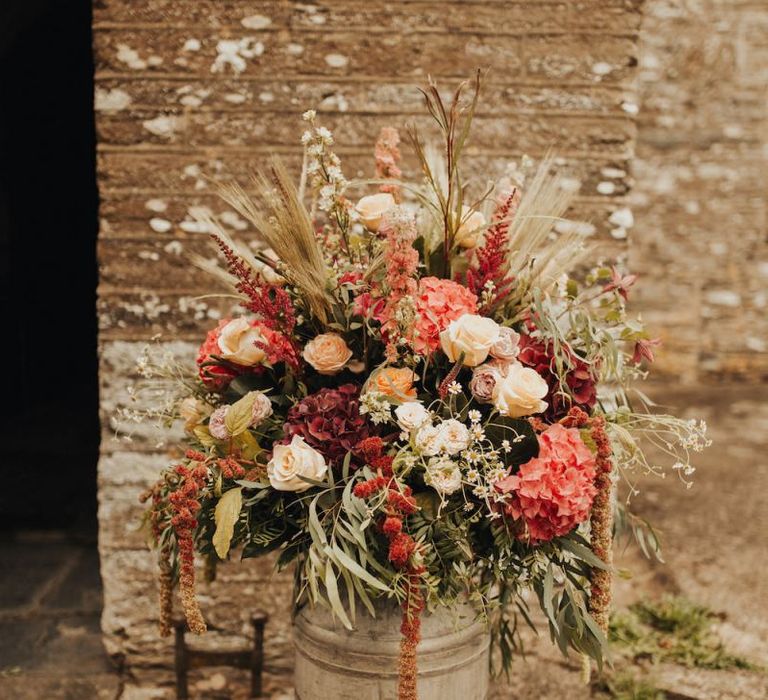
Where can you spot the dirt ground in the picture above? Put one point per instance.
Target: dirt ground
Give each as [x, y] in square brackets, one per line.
[714, 537]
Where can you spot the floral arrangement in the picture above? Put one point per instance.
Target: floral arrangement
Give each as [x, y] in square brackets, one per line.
[425, 397]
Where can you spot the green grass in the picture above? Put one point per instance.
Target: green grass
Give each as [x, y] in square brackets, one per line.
[624, 685]
[676, 630]
[671, 629]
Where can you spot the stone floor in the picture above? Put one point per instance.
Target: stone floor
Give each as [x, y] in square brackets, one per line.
[715, 553]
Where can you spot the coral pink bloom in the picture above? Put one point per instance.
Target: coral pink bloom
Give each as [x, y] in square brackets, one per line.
[552, 493]
[438, 302]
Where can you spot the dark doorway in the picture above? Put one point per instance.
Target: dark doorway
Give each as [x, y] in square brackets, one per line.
[48, 223]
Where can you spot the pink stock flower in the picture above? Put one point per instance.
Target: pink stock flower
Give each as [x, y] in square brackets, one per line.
[552, 493]
[438, 302]
[387, 156]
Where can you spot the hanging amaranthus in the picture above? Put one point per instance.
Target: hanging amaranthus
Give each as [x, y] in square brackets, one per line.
[602, 526]
[601, 518]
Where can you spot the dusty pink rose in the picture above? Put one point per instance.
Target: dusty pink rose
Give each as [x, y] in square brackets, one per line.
[438, 302]
[484, 379]
[507, 347]
[216, 425]
[262, 409]
[552, 493]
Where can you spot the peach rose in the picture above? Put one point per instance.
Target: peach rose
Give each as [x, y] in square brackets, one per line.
[470, 227]
[238, 343]
[470, 335]
[372, 208]
[396, 382]
[328, 353]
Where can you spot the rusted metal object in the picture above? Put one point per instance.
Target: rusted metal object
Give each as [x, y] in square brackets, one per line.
[187, 659]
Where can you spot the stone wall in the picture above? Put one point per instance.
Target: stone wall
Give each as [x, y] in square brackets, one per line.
[700, 197]
[191, 89]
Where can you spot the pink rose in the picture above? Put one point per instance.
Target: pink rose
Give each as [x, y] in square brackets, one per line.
[484, 379]
[507, 347]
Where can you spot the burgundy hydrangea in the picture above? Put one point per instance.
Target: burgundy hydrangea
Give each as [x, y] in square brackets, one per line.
[329, 421]
[580, 388]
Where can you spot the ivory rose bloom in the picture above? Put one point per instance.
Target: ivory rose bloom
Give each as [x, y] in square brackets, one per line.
[470, 227]
[396, 382]
[291, 462]
[443, 476]
[193, 411]
[328, 353]
[428, 440]
[411, 415]
[507, 347]
[238, 343]
[454, 436]
[472, 335]
[520, 392]
[372, 209]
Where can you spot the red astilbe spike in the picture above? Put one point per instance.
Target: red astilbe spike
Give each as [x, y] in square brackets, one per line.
[270, 303]
[492, 255]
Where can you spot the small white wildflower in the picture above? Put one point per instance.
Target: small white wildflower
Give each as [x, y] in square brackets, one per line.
[477, 432]
[454, 388]
[505, 445]
[306, 137]
[474, 416]
[309, 115]
[473, 475]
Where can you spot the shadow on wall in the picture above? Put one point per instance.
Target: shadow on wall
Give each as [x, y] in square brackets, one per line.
[48, 223]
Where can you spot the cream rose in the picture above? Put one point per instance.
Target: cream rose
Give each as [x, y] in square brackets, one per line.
[507, 347]
[428, 440]
[237, 343]
[193, 411]
[327, 353]
[520, 392]
[372, 208]
[443, 476]
[470, 227]
[411, 415]
[454, 436]
[472, 335]
[291, 462]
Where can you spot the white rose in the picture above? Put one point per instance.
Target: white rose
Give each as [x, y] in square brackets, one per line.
[193, 411]
[472, 335]
[428, 440]
[372, 208]
[291, 462]
[444, 476]
[470, 227]
[237, 343]
[411, 415]
[520, 392]
[454, 436]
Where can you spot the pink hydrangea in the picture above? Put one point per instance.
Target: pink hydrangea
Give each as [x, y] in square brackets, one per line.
[438, 302]
[552, 493]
